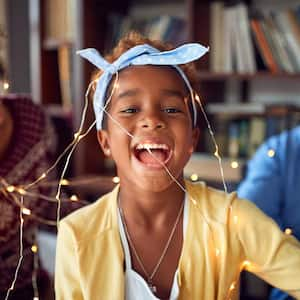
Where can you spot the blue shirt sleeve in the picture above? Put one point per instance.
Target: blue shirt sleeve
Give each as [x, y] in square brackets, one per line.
[263, 183]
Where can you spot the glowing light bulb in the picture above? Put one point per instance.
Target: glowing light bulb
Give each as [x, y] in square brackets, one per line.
[234, 164]
[64, 182]
[116, 179]
[217, 252]
[5, 85]
[271, 153]
[194, 177]
[76, 135]
[26, 211]
[34, 248]
[10, 188]
[232, 286]
[74, 198]
[288, 231]
[246, 264]
[43, 175]
[35, 298]
[21, 191]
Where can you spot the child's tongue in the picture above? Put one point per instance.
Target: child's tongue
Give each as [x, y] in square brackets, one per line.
[155, 157]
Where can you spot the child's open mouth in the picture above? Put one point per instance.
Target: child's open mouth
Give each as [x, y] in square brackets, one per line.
[155, 155]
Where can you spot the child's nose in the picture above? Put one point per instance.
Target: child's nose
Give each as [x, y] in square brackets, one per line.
[152, 121]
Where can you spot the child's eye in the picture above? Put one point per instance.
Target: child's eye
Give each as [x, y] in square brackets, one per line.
[172, 110]
[130, 110]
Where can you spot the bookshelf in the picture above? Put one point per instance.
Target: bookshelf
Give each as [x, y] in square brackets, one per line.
[94, 24]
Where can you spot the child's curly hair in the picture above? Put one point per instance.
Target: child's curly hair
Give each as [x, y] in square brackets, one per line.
[132, 39]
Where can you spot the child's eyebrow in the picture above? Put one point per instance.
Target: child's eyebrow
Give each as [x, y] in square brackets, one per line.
[128, 93]
[176, 93]
[165, 92]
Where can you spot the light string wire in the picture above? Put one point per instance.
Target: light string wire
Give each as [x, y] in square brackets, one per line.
[34, 250]
[20, 251]
[10, 188]
[77, 137]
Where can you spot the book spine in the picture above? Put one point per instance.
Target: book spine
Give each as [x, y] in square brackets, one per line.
[263, 45]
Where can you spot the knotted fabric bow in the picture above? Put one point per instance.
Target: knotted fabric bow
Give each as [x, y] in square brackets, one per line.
[139, 55]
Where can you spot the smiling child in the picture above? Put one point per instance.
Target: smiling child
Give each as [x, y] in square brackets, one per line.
[157, 236]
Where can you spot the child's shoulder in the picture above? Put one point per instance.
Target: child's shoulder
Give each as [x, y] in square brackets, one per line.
[94, 218]
[213, 203]
[218, 206]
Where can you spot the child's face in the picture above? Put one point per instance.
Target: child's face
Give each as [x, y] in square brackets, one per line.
[151, 104]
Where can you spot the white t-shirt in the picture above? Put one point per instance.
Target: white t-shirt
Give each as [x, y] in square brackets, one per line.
[135, 285]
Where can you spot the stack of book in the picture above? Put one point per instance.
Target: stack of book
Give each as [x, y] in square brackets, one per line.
[245, 40]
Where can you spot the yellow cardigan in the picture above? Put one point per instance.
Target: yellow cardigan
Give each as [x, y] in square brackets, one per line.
[224, 234]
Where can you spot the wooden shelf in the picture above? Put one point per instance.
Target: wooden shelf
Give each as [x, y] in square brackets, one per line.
[210, 76]
[206, 167]
[54, 44]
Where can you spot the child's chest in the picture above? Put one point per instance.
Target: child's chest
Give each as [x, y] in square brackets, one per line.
[155, 256]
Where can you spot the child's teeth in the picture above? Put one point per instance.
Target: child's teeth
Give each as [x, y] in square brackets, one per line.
[151, 146]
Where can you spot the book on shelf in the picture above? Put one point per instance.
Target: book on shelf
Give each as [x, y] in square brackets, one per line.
[216, 45]
[263, 45]
[282, 21]
[257, 133]
[244, 47]
[280, 47]
[246, 38]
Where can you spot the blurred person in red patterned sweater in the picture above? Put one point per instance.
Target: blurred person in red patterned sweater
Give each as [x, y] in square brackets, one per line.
[27, 147]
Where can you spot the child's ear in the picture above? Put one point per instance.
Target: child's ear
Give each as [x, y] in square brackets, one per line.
[102, 137]
[195, 139]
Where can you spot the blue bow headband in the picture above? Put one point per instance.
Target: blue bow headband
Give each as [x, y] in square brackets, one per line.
[139, 55]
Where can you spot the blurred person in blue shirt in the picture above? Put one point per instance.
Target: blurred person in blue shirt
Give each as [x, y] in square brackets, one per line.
[273, 183]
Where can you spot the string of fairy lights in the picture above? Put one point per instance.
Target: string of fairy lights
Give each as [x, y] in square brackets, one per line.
[17, 193]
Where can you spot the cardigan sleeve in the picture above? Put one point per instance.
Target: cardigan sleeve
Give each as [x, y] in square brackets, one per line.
[67, 278]
[273, 255]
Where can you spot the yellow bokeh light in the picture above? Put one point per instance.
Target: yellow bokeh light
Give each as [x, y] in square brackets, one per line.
[21, 191]
[217, 252]
[6, 85]
[271, 153]
[194, 177]
[64, 182]
[234, 164]
[116, 179]
[288, 231]
[246, 264]
[26, 211]
[34, 248]
[74, 198]
[232, 286]
[10, 188]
